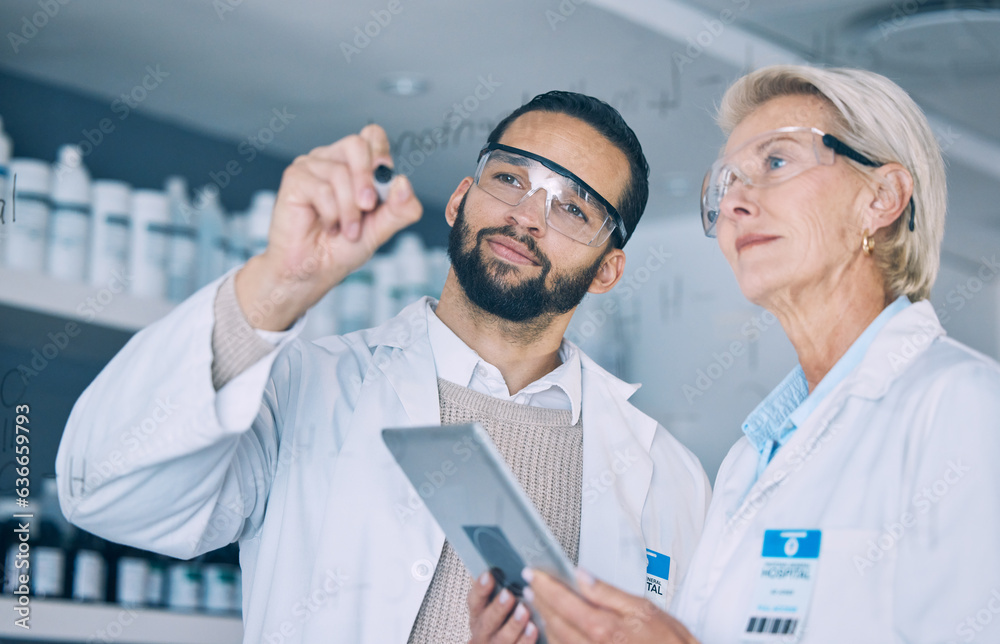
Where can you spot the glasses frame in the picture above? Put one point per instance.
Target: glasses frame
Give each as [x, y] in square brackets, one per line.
[829, 140]
[619, 222]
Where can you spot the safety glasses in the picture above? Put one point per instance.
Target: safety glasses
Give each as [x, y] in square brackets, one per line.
[772, 158]
[573, 208]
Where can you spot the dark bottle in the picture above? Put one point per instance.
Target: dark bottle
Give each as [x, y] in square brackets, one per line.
[184, 585]
[131, 576]
[48, 561]
[49, 545]
[88, 567]
[156, 581]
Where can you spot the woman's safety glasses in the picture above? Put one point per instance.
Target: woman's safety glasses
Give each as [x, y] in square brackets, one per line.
[772, 158]
[571, 206]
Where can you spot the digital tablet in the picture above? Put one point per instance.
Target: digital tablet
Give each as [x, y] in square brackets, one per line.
[475, 498]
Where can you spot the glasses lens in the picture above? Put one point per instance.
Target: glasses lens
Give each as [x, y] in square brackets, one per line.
[570, 208]
[763, 161]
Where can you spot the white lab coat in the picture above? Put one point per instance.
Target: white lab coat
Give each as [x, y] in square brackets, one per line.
[900, 468]
[334, 542]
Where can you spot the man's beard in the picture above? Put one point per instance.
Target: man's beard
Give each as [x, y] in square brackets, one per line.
[528, 300]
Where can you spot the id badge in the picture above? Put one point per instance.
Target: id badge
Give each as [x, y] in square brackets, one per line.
[781, 597]
[657, 575]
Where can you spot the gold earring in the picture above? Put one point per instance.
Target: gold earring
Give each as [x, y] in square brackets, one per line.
[867, 242]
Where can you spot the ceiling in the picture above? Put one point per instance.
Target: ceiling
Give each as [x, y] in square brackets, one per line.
[226, 65]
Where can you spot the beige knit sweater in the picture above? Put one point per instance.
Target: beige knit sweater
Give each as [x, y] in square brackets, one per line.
[546, 455]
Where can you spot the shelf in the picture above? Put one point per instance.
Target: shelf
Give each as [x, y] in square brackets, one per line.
[57, 620]
[79, 301]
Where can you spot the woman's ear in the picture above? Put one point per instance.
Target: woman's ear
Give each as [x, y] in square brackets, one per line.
[451, 210]
[893, 191]
[611, 270]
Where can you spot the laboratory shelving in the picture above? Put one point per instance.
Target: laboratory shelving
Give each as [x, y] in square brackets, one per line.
[79, 301]
[56, 620]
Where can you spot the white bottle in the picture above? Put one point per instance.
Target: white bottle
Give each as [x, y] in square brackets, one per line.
[412, 272]
[27, 215]
[261, 208]
[110, 232]
[385, 279]
[212, 241]
[236, 227]
[5, 150]
[69, 228]
[184, 579]
[182, 264]
[354, 301]
[150, 246]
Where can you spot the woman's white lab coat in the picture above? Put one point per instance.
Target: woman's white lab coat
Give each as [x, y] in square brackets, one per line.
[899, 467]
[335, 543]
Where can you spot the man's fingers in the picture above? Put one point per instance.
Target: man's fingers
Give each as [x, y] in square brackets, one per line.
[349, 212]
[301, 188]
[378, 143]
[400, 210]
[360, 161]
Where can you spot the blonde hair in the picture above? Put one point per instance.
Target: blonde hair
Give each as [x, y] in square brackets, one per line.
[876, 117]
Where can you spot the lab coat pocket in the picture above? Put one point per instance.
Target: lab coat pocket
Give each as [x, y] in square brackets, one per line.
[852, 600]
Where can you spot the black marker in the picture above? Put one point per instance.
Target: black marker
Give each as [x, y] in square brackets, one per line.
[383, 177]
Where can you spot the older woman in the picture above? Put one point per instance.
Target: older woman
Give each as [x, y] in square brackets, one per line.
[863, 504]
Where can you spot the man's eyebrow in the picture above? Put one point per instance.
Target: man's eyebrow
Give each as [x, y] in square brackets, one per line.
[513, 159]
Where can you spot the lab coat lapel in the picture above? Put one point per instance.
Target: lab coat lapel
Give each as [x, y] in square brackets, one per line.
[380, 539]
[405, 358]
[617, 471]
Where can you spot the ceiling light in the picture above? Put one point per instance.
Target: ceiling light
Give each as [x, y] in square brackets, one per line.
[403, 85]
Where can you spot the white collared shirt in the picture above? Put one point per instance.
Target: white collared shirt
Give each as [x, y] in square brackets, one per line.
[456, 362]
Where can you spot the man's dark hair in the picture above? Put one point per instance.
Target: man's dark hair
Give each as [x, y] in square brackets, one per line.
[610, 124]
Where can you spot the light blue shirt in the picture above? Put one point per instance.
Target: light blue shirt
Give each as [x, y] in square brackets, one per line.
[787, 407]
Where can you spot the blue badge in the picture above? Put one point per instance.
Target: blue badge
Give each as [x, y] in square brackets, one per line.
[796, 544]
[658, 588]
[657, 565]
